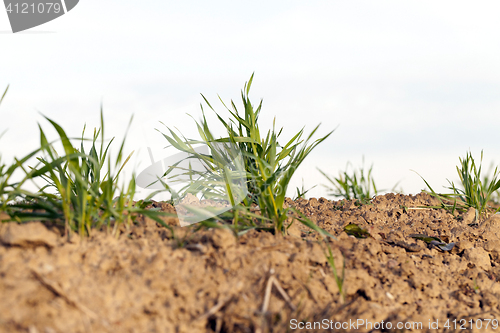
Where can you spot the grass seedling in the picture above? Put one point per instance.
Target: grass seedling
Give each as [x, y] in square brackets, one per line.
[355, 184]
[77, 178]
[86, 196]
[268, 166]
[474, 192]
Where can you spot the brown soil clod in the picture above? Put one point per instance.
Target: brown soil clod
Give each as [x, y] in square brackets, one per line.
[27, 235]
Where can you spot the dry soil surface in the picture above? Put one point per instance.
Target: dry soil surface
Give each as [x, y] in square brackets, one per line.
[146, 280]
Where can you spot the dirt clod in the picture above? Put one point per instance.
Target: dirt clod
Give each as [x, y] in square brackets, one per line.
[479, 257]
[29, 234]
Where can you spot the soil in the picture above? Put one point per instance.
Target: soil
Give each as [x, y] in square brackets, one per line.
[146, 280]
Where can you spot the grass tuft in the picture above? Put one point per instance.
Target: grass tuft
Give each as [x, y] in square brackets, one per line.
[267, 165]
[474, 192]
[353, 184]
[81, 192]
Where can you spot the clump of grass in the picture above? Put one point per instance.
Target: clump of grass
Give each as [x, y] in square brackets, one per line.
[268, 166]
[355, 184]
[86, 196]
[474, 192]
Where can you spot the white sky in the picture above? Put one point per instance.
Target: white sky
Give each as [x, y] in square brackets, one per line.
[410, 84]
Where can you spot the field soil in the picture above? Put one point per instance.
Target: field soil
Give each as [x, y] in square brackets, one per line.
[150, 280]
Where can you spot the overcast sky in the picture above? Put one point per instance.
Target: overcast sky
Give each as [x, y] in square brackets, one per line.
[408, 84]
